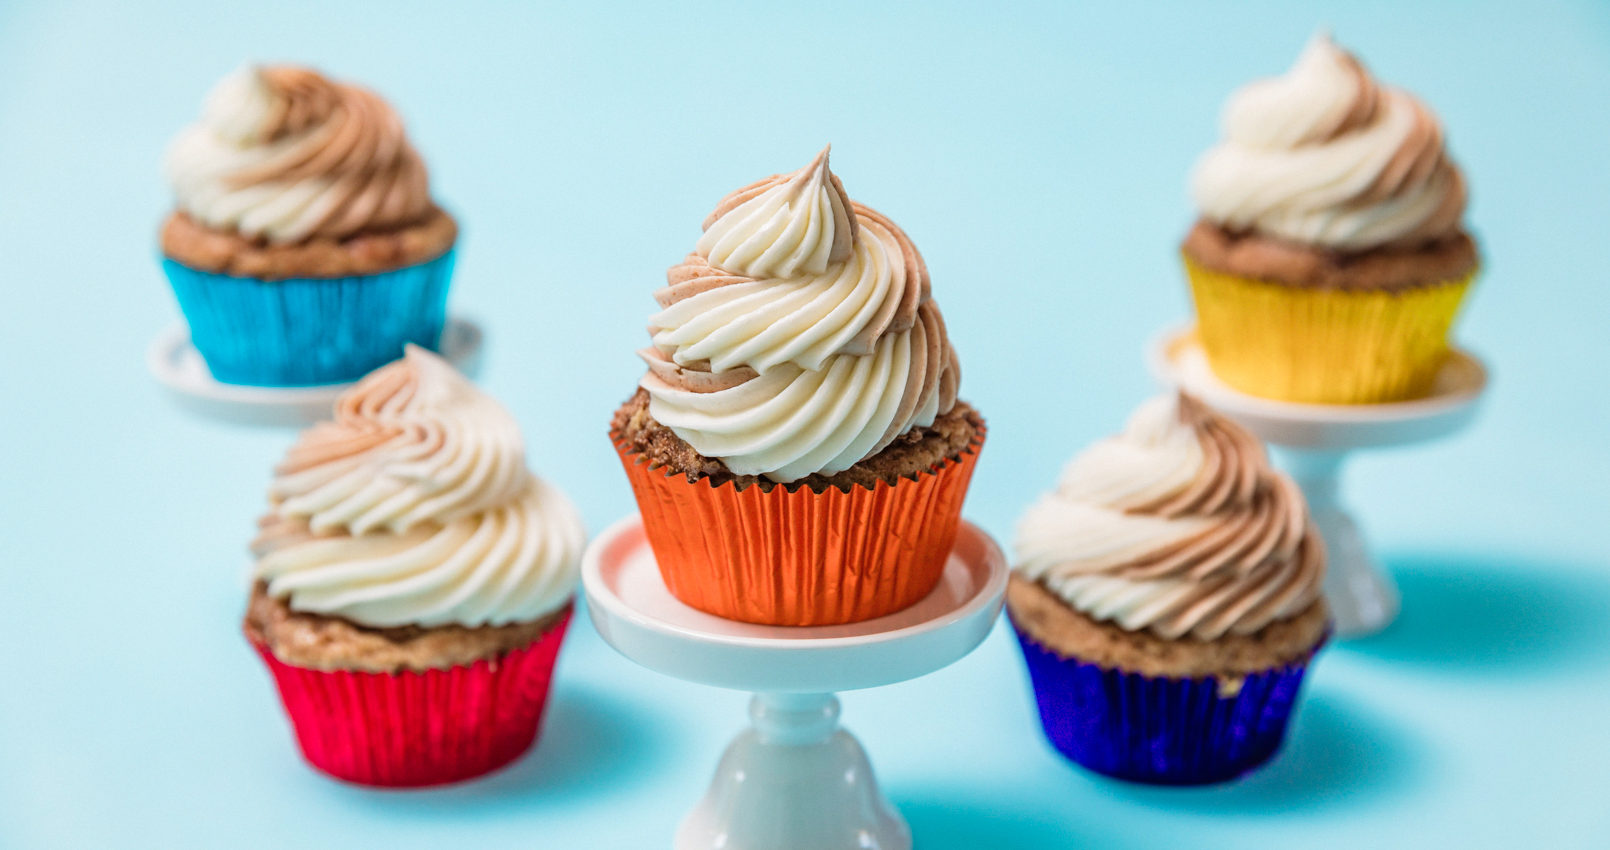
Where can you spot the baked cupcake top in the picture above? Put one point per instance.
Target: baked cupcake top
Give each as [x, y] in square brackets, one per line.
[284, 155]
[1326, 156]
[799, 337]
[1178, 526]
[414, 507]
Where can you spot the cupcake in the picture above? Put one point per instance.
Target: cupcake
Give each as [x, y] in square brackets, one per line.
[413, 582]
[1329, 259]
[796, 447]
[1167, 599]
[304, 247]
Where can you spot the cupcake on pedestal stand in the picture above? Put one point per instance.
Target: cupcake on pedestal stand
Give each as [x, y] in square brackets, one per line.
[1326, 267]
[304, 249]
[799, 459]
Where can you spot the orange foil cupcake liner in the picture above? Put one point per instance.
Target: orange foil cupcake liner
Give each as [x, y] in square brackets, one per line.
[795, 557]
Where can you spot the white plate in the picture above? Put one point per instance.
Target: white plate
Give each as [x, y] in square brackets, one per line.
[1176, 357]
[179, 368]
[638, 616]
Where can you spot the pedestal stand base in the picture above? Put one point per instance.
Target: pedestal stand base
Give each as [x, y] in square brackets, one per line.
[1362, 597]
[795, 780]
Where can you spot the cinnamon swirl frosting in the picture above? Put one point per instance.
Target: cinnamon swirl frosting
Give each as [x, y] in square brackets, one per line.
[285, 155]
[799, 337]
[1179, 526]
[414, 507]
[1327, 156]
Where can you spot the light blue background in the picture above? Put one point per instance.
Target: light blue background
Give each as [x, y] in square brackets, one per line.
[1038, 156]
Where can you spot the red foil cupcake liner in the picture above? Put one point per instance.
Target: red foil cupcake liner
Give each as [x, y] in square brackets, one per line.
[411, 729]
[798, 557]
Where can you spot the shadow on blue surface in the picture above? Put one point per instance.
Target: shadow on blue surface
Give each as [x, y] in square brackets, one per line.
[1491, 615]
[589, 741]
[981, 822]
[1339, 754]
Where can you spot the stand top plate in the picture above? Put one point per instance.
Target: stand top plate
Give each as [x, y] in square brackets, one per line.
[1177, 359]
[179, 368]
[638, 616]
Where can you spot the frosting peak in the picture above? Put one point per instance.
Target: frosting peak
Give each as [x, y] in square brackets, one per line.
[414, 507]
[1327, 156]
[1179, 526]
[284, 154]
[780, 227]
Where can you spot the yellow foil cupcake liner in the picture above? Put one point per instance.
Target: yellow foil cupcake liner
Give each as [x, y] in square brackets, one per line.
[1324, 346]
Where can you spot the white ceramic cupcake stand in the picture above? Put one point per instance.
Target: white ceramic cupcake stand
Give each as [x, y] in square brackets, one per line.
[178, 367]
[1312, 441]
[795, 779]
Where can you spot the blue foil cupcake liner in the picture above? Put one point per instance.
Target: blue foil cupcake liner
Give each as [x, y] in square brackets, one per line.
[1159, 730]
[309, 331]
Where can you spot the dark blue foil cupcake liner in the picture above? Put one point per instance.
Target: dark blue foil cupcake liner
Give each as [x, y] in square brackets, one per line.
[1159, 730]
[309, 331]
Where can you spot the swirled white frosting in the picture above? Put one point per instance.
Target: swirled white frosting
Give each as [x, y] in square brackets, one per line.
[806, 320]
[433, 448]
[791, 422]
[414, 507]
[1179, 526]
[799, 337]
[513, 563]
[284, 154]
[1326, 156]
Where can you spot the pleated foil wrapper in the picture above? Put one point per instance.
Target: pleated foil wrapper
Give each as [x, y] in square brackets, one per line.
[413, 728]
[1159, 730]
[1324, 346]
[310, 331]
[797, 557]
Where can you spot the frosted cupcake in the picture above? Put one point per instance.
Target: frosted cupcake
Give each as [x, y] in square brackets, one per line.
[1167, 599]
[796, 447]
[304, 247]
[414, 582]
[1329, 260]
